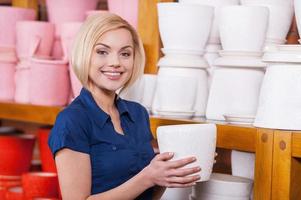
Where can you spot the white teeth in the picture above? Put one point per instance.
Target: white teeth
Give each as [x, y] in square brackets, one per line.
[112, 73]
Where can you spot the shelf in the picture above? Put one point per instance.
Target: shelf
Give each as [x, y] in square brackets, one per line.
[29, 113]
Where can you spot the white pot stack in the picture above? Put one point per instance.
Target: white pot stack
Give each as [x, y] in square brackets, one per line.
[280, 19]
[214, 44]
[239, 71]
[222, 187]
[184, 30]
[280, 96]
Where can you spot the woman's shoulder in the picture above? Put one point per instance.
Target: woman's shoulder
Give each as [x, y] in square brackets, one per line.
[135, 107]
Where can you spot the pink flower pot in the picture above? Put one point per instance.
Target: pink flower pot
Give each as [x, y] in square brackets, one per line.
[49, 82]
[68, 32]
[126, 10]
[7, 81]
[8, 18]
[69, 10]
[22, 82]
[28, 32]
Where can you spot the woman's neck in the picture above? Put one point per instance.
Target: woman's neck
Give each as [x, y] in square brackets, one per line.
[104, 99]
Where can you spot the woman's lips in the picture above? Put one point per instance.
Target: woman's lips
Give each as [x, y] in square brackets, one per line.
[112, 75]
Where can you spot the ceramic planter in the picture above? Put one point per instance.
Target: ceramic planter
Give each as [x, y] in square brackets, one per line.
[237, 30]
[234, 91]
[199, 140]
[126, 10]
[175, 31]
[7, 80]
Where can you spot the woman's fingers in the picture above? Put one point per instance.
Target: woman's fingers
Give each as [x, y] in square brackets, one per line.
[164, 156]
[184, 171]
[181, 162]
[182, 180]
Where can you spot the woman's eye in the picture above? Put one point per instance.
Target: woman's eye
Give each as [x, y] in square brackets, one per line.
[101, 52]
[126, 54]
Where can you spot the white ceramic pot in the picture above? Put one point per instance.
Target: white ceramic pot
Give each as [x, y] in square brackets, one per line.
[223, 185]
[182, 58]
[176, 193]
[184, 26]
[280, 96]
[133, 92]
[297, 6]
[198, 140]
[234, 91]
[243, 164]
[237, 30]
[175, 94]
[217, 4]
[218, 197]
[202, 85]
[149, 81]
[280, 18]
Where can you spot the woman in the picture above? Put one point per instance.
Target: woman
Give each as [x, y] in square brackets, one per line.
[101, 142]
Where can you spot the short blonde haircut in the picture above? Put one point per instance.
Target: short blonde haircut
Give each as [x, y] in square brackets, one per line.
[90, 32]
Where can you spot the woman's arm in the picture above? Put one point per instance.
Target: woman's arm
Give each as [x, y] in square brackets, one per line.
[74, 171]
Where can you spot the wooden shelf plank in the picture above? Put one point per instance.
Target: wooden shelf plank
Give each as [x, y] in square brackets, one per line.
[29, 113]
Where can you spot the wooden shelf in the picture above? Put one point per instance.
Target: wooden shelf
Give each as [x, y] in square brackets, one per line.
[29, 113]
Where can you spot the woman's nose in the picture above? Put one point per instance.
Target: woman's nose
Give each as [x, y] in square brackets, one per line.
[114, 61]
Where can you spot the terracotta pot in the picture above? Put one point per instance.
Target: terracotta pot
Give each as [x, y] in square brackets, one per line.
[14, 193]
[48, 164]
[40, 184]
[16, 154]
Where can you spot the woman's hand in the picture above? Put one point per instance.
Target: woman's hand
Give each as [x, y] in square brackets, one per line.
[163, 172]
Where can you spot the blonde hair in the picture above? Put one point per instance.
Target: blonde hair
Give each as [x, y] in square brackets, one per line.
[90, 32]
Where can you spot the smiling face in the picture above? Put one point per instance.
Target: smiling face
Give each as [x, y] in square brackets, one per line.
[112, 60]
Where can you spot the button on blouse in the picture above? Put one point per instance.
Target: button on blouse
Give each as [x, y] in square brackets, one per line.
[115, 158]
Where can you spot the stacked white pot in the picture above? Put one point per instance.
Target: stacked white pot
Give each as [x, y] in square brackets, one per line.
[182, 77]
[297, 5]
[222, 187]
[280, 96]
[239, 71]
[142, 91]
[280, 19]
[9, 17]
[214, 44]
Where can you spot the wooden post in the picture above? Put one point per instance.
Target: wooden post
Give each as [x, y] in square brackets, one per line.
[149, 32]
[286, 169]
[26, 4]
[263, 164]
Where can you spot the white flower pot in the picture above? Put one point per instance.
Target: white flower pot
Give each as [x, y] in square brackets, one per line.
[217, 4]
[202, 86]
[149, 81]
[184, 26]
[234, 91]
[280, 19]
[237, 30]
[223, 187]
[198, 140]
[176, 193]
[280, 95]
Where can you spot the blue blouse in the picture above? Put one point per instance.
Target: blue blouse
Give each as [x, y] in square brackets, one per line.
[115, 158]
